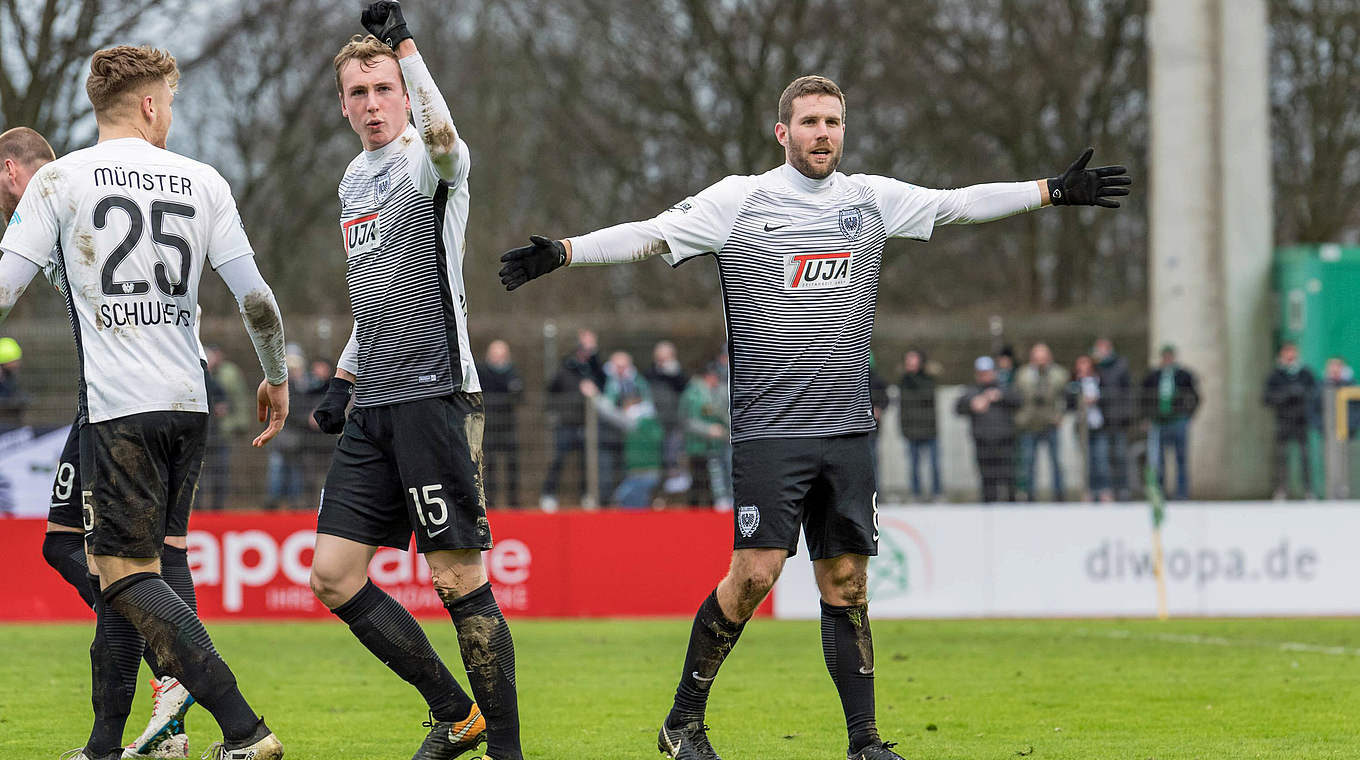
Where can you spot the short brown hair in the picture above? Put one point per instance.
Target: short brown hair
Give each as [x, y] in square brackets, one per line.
[808, 85]
[367, 49]
[25, 146]
[119, 70]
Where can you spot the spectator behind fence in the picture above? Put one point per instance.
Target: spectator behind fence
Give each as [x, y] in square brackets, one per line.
[1292, 393]
[502, 393]
[708, 442]
[216, 471]
[1005, 366]
[916, 415]
[13, 399]
[566, 409]
[621, 379]
[1085, 393]
[317, 445]
[991, 410]
[1118, 408]
[1042, 386]
[286, 474]
[667, 379]
[1170, 398]
[1336, 374]
[236, 425]
[641, 435]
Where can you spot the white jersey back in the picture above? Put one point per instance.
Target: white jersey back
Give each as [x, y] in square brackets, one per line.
[129, 227]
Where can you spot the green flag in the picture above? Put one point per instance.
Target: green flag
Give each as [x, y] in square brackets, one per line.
[1155, 499]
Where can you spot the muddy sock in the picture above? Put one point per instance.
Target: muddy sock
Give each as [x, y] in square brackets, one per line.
[711, 638]
[183, 648]
[175, 571]
[115, 656]
[848, 647]
[396, 639]
[65, 552]
[489, 657]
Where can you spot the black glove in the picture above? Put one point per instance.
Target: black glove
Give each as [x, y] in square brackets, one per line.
[383, 20]
[1079, 186]
[330, 413]
[520, 265]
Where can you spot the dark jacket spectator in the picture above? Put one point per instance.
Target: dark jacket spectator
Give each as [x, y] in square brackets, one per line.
[916, 393]
[1292, 392]
[1116, 386]
[564, 390]
[991, 408]
[502, 390]
[1182, 401]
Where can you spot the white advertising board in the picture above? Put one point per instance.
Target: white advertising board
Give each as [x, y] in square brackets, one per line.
[27, 464]
[1222, 559]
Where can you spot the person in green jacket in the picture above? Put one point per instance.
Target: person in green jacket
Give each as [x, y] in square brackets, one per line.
[643, 435]
[706, 416]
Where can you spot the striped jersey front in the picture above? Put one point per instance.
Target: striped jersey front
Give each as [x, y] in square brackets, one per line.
[798, 260]
[403, 231]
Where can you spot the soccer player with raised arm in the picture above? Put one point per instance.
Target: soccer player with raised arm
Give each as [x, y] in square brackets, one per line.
[410, 453]
[127, 227]
[799, 250]
[22, 152]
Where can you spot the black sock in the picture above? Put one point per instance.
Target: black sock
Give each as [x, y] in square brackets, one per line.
[489, 657]
[395, 638]
[115, 656]
[711, 638]
[848, 647]
[65, 552]
[175, 572]
[183, 647]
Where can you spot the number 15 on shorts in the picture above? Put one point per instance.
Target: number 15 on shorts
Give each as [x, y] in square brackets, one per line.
[431, 509]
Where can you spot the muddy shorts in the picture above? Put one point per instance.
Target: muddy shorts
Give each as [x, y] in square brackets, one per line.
[825, 486]
[413, 466]
[138, 475]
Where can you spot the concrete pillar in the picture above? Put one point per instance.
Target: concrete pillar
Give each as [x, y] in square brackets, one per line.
[1211, 231]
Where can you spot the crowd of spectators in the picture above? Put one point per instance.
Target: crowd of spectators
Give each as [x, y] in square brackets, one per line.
[660, 436]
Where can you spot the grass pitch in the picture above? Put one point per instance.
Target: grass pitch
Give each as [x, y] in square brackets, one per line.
[1047, 690]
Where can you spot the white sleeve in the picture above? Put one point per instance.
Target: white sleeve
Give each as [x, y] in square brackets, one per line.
[227, 235]
[913, 212]
[34, 230]
[620, 244]
[260, 312]
[349, 357]
[15, 274]
[446, 153]
[701, 223]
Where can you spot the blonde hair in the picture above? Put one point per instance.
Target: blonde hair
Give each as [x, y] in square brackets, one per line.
[807, 85]
[365, 48]
[117, 71]
[25, 146]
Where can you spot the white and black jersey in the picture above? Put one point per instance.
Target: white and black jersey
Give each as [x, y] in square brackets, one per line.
[124, 230]
[799, 261]
[403, 229]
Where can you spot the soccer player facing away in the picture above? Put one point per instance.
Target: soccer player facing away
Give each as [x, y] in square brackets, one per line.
[799, 250]
[129, 227]
[22, 152]
[410, 453]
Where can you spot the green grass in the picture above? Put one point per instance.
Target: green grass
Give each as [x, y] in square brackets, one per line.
[971, 690]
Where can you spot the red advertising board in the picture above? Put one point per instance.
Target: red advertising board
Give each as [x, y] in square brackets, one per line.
[569, 564]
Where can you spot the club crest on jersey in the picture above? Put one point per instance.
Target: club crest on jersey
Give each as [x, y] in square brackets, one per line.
[748, 519]
[852, 223]
[811, 271]
[381, 184]
[360, 235]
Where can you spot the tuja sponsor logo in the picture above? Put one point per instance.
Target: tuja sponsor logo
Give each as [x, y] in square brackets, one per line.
[1113, 561]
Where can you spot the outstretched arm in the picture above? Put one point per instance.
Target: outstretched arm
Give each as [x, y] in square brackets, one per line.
[384, 20]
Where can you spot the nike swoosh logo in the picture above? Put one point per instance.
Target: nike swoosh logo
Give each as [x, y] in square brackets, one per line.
[434, 533]
[768, 228]
[695, 675]
[864, 672]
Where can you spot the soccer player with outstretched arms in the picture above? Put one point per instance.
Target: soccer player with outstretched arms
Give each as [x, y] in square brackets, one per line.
[799, 250]
[410, 451]
[127, 226]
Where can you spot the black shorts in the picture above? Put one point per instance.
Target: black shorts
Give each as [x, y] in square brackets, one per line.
[410, 466]
[138, 476]
[824, 485]
[65, 505]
